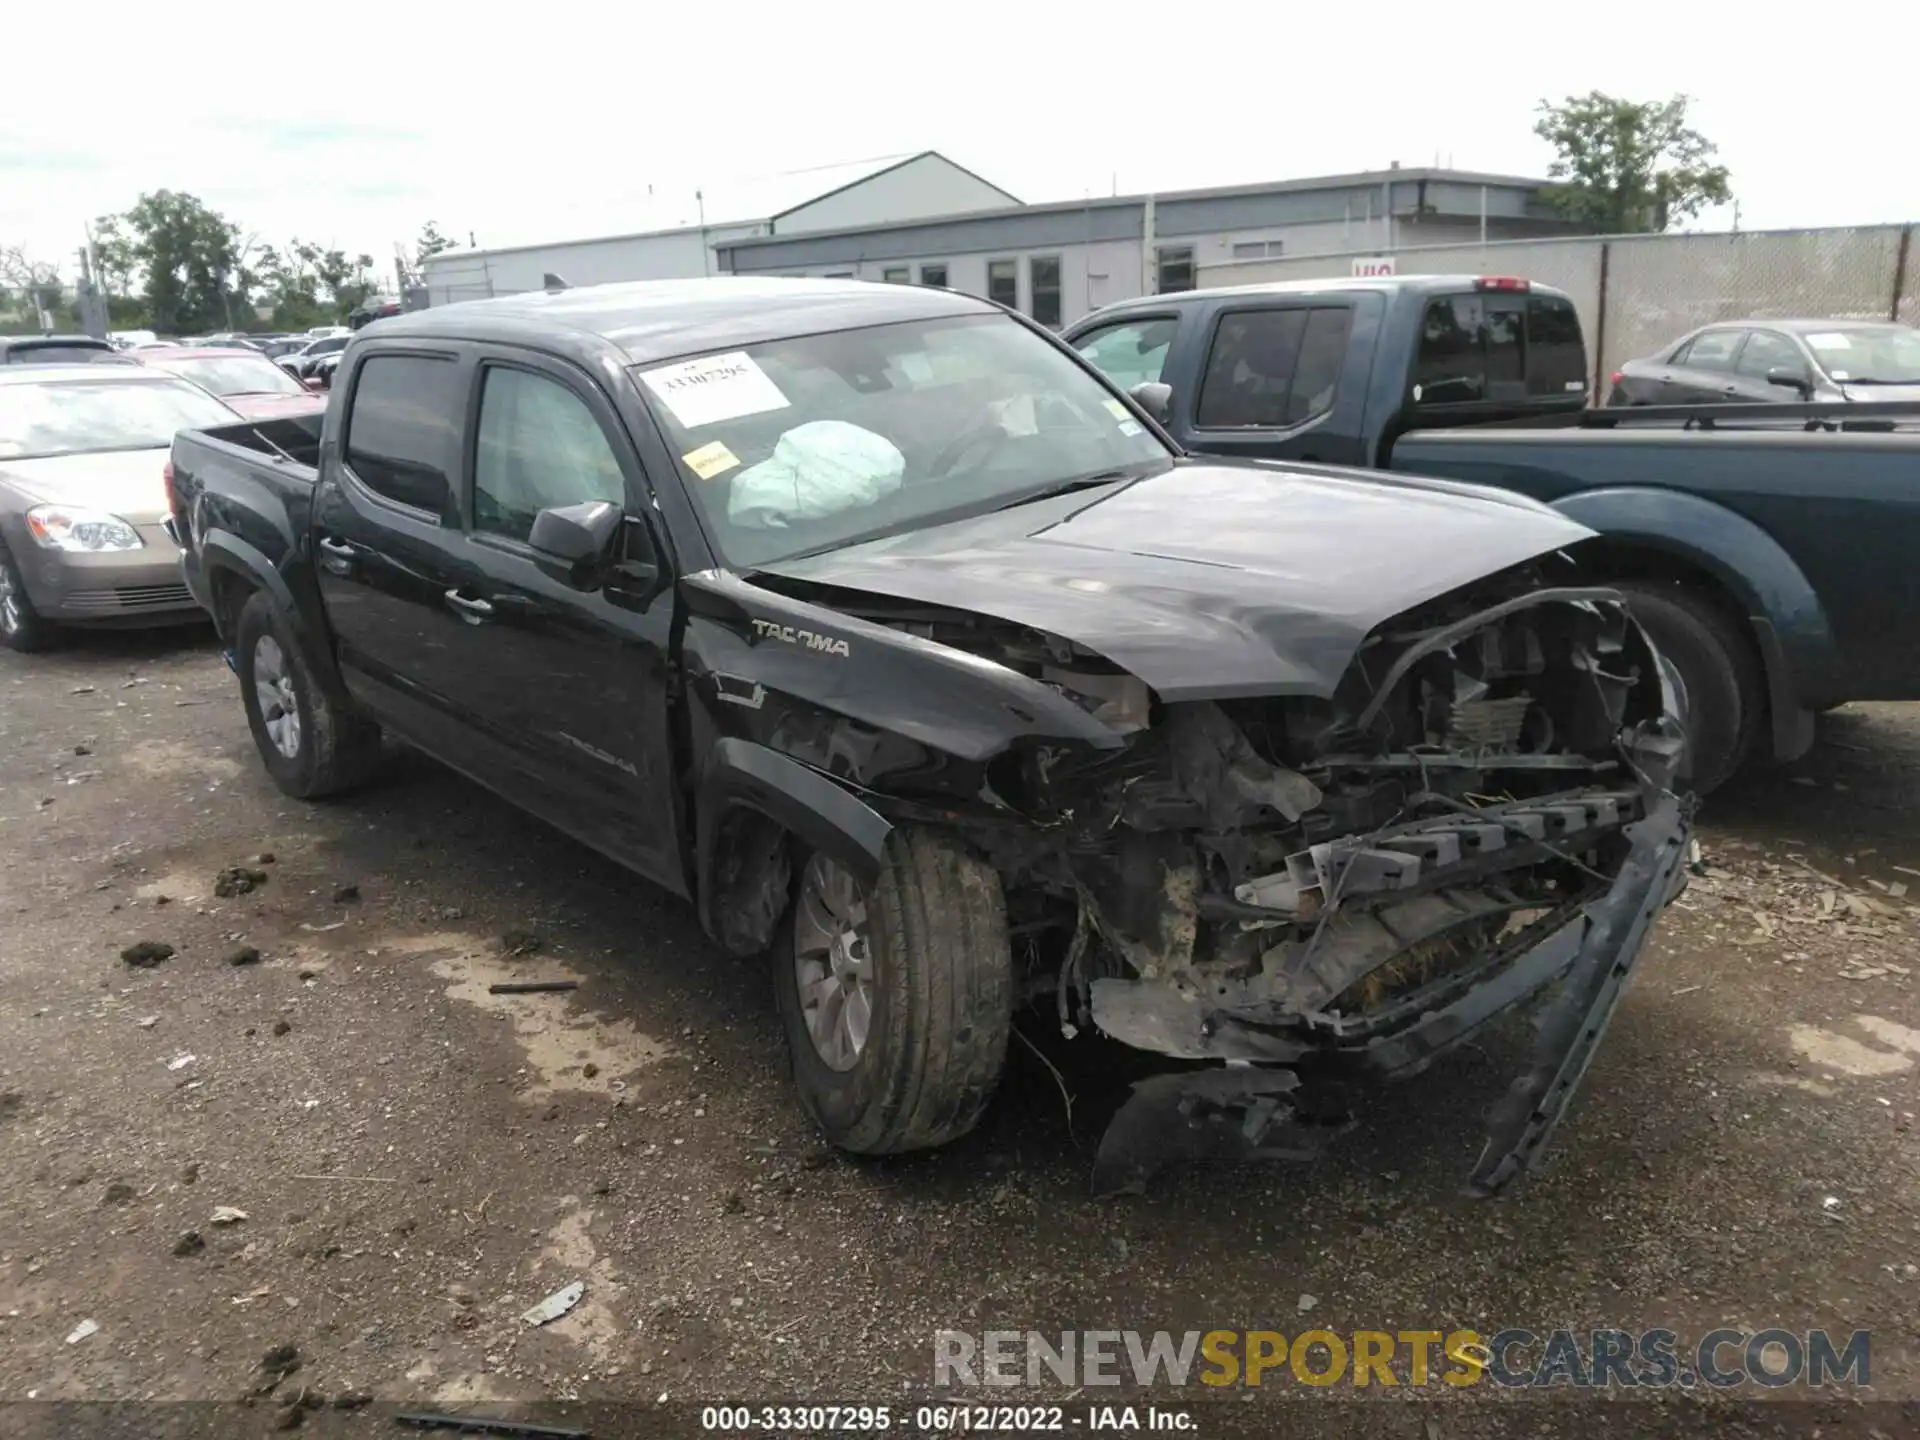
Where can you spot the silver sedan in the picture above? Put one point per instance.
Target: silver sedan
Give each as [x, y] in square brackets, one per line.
[83, 450]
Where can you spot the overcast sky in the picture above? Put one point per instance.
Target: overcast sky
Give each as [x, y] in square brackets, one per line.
[351, 124]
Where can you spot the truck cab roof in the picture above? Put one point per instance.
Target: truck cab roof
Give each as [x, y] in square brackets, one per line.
[1419, 286]
[652, 320]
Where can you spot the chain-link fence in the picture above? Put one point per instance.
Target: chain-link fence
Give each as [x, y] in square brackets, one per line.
[1637, 292]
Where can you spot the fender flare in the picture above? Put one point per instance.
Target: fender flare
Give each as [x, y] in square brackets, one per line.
[222, 550]
[821, 811]
[1791, 631]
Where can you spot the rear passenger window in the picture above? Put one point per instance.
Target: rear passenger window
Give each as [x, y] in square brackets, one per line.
[403, 429]
[1711, 351]
[1272, 368]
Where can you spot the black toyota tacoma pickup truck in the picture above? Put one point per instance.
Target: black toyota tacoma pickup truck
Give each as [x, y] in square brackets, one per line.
[1769, 553]
[883, 628]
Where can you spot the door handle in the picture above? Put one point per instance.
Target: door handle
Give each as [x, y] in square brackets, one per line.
[474, 610]
[336, 556]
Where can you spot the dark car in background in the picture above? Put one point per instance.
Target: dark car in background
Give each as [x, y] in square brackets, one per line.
[52, 349]
[1770, 361]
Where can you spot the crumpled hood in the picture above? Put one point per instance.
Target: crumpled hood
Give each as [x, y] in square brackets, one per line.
[126, 483]
[1213, 579]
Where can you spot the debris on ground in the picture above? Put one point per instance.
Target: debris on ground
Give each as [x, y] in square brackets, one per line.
[531, 987]
[280, 1362]
[245, 955]
[556, 1304]
[226, 1215]
[180, 1061]
[145, 954]
[521, 942]
[265, 857]
[322, 929]
[190, 1243]
[1306, 1303]
[147, 1022]
[237, 880]
[118, 1193]
[281, 1027]
[345, 894]
[484, 1425]
[82, 1331]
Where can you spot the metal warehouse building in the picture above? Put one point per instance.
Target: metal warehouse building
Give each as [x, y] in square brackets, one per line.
[1057, 262]
[924, 220]
[689, 231]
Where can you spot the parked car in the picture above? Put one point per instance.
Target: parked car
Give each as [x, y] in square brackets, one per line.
[301, 362]
[1771, 565]
[876, 622]
[51, 349]
[245, 379]
[1767, 361]
[329, 332]
[82, 538]
[321, 372]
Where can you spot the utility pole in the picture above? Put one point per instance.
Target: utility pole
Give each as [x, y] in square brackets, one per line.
[88, 301]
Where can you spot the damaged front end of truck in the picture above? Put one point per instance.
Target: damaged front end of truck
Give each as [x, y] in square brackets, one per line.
[1291, 893]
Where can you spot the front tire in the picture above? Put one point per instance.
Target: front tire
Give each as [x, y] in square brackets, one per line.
[1724, 697]
[897, 1003]
[22, 627]
[310, 745]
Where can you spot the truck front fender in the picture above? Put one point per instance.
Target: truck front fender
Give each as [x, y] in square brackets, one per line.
[742, 775]
[1790, 625]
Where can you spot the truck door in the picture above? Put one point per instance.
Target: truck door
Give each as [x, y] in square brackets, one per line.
[564, 690]
[1276, 383]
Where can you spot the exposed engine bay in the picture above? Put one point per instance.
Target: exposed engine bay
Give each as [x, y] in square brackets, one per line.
[1300, 888]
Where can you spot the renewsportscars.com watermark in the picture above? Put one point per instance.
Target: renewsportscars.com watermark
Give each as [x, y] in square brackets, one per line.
[1512, 1358]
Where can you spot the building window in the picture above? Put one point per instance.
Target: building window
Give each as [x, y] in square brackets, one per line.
[1174, 264]
[1258, 249]
[1003, 283]
[1043, 289]
[895, 275]
[933, 275]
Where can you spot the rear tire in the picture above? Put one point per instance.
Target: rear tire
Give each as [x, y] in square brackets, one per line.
[1725, 701]
[22, 627]
[310, 745]
[929, 942]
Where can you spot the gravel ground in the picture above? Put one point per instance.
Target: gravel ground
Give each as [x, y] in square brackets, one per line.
[419, 1161]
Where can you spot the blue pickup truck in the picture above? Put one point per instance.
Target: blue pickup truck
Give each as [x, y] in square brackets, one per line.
[1767, 549]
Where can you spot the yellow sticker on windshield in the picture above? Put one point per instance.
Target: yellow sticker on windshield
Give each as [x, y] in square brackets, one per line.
[1120, 412]
[710, 460]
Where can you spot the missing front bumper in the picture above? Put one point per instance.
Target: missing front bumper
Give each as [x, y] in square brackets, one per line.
[1255, 1111]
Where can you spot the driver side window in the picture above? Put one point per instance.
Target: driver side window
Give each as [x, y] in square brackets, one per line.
[1131, 353]
[538, 446]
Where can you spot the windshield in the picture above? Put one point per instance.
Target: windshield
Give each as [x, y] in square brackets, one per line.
[1868, 354]
[800, 445]
[233, 374]
[73, 417]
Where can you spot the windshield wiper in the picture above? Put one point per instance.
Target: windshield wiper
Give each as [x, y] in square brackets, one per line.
[1066, 487]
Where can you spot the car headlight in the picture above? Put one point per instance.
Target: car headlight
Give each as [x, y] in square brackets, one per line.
[61, 527]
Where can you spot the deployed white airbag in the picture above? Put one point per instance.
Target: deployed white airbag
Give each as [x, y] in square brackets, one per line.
[817, 469]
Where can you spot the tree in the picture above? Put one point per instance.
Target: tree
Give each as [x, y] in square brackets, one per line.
[190, 258]
[1627, 167]
[35, 282]
[431, 242]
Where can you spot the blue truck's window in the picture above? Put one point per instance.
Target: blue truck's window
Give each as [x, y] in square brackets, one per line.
[1498, 348]
[1131, 352]
[1272, 368]
[538, 446]
[1556, 354]
[403, 430]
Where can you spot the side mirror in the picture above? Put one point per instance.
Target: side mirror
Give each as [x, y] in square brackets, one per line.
[1791, 379]
[571, 543]
[1154, 398]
